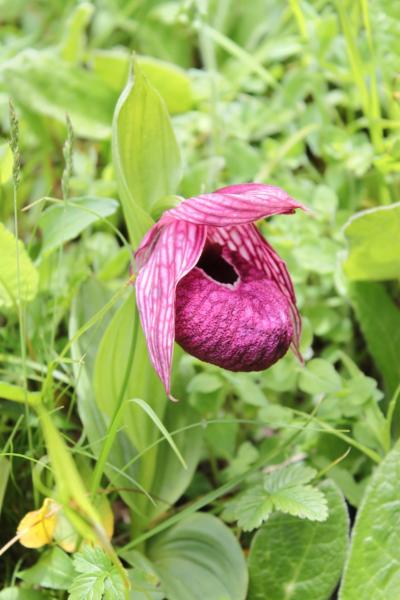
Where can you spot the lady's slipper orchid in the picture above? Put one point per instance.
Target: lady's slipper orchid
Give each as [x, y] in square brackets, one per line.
[209, 280]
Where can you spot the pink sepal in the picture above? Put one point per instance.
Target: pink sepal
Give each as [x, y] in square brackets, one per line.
[234, 205]
[167, 254]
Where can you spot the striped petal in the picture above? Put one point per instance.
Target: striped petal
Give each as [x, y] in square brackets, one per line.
[174, 250]
[234, 205]
[248, 242]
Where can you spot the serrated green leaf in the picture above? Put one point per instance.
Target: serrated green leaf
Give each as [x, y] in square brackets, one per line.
[288, 476]
[250, 509]
[295, 559]
[88, 586]
[302, 501]
[282, 490]
[114, 588]
[98, 576]
[92, 560]
[373, 564]
[12, 265]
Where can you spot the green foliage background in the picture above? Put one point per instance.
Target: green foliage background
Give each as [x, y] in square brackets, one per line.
[301, 94]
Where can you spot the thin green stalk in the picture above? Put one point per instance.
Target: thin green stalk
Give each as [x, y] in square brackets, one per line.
[374, 456]
[369, 104]
[244, 57]
[16, 178]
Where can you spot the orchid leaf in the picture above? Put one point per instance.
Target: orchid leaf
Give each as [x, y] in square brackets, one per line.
[372, 569]
[379, 319]
[145, 153]
[199, 558]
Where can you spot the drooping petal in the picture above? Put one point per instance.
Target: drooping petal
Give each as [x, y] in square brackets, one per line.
[173, 254]
[147, 244]
[234, 205]
[248, 242]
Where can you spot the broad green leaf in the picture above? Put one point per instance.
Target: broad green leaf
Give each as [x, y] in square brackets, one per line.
[64, 221]
[283, 490]
[18, 276]
[379, 319]
[41, 82]
[145, 153]
[54, 569]
[14, 593]
[171, 82]
[374, 244]
[319, 377]
[92, 296]
[145, 582]
[292, 559]
[199, 558]
[373, 564]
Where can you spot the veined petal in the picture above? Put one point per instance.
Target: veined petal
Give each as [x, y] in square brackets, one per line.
[252, 247]
[235, 205]
[147, 244]
[175, 249]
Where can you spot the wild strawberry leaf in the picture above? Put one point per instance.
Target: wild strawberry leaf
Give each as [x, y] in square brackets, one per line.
[283, 490]
[98, 577]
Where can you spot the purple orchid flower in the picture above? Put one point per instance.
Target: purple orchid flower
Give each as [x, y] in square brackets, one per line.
[208, 279]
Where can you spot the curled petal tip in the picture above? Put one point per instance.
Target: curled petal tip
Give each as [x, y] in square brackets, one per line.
[172, 398]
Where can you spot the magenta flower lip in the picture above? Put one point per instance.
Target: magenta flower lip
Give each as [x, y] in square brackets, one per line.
[209, 280]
